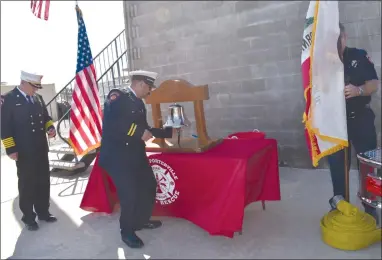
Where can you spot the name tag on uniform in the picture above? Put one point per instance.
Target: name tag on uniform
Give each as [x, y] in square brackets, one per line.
[18, 104]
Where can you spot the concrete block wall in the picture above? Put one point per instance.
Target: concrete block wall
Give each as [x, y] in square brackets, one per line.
[248, 52]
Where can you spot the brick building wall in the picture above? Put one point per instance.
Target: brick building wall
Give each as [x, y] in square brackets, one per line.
[248, 52]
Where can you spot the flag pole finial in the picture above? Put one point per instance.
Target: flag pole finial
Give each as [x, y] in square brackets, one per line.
[78, 9]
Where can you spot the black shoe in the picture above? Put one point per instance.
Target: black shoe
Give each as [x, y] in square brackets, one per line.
[152, 224]
[132, 240]
[33, 226]
[49, 218]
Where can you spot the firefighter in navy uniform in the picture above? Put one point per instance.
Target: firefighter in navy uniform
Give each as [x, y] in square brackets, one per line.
[361, 81]
[24, 124]
[123, 155]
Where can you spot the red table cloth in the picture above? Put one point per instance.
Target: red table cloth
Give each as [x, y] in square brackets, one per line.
[210, 189]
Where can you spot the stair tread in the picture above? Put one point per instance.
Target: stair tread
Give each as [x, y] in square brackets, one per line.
[66, 150]
[61, 164]
[61, 149]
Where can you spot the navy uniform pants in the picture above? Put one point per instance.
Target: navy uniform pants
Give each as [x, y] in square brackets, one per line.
[34, 186]
[136, 189]
[362, 136]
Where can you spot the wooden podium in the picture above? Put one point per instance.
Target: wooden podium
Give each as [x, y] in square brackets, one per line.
[175, 91]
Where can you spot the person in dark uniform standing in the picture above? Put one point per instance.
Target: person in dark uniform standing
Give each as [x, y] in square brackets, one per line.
[361, 81]
[123, 155]
[24, 124]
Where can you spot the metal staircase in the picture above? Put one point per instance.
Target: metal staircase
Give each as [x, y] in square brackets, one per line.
[110, 65]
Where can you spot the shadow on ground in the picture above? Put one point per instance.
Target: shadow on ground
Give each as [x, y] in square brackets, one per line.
[66, 238]
[77, 183]
[287, 229]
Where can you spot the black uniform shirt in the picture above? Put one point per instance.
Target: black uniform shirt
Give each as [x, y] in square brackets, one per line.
[358, 69]
[123, 119]
[24, 125]
[124, 122]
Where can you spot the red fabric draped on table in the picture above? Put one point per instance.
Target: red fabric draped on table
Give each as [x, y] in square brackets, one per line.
[100, 194]
[210, 189]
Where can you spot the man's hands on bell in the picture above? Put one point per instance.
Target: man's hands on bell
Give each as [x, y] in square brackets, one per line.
[14, 156]
[351, 91]
[146, 135]
[51, 133]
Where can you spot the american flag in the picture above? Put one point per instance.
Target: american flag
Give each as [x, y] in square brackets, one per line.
[85, 115]
[40, 7]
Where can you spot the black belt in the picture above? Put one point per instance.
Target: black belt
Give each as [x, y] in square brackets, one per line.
[353, 112]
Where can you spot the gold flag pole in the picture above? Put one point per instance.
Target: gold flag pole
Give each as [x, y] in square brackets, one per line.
[346, 175]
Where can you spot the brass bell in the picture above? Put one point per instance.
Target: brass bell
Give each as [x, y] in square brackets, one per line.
[176, 117]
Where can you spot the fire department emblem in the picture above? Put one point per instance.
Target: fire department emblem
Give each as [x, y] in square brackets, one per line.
[166, 178]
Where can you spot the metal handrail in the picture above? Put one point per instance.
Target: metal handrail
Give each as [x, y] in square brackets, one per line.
[60, 92]
[111, 66]
[110, 56]
[67, 112]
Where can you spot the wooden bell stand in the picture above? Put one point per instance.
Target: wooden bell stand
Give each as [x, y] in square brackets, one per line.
[176, 91]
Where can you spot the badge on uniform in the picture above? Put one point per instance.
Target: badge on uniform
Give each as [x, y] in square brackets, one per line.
[114, 96]
[354, 63]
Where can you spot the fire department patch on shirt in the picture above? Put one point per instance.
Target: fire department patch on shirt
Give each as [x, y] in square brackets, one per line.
[113, 96]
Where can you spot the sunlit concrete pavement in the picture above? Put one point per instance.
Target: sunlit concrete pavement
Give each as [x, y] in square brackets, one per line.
[286, 229]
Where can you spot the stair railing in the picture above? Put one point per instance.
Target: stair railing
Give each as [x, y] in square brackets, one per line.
[102, 61]
[105, 85]
[109, 57]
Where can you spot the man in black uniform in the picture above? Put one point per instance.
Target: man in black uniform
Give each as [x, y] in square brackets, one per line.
[123, 155]
[24, 124]
[361, 82]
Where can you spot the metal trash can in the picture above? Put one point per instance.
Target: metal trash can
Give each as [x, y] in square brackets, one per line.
[370, 180]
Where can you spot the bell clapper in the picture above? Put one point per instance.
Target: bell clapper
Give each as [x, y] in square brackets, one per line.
[178, 130]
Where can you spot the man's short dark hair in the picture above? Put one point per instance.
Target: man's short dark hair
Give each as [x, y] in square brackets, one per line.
[342, 28]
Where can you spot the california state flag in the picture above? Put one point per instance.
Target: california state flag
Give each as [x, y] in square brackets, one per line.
[323, 81]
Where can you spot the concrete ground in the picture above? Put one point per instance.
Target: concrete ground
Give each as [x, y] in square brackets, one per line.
[286, 229]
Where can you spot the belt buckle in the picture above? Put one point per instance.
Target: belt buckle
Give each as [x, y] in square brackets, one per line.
[352, 115]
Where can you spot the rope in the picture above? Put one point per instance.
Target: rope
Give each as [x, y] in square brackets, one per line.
[348, 228]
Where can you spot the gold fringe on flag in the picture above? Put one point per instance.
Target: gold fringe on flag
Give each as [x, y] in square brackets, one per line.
[314, 132]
